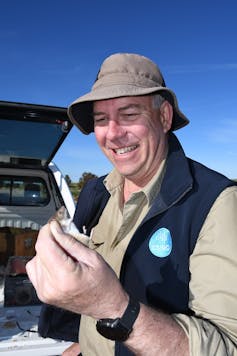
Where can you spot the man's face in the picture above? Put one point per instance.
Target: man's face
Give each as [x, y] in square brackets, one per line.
[131, 134]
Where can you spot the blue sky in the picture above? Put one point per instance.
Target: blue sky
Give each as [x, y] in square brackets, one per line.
[51, 51]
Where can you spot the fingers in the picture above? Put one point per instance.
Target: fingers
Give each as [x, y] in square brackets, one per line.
[31, 271]
[69, 275]
[60, 266]
[56, 251]
[49, 251]
[39, 277]
[70, 245]
[50, 257]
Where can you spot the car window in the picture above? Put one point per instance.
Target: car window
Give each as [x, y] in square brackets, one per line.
[23, 191]
[26, 139]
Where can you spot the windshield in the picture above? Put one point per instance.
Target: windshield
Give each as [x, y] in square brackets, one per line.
[29, 139]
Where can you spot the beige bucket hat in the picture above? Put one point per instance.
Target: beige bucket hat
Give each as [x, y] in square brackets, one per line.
[123, 74]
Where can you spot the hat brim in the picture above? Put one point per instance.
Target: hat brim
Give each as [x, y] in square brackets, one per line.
[80, 111]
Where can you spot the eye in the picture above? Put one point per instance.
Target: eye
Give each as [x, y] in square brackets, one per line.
[130, 115]
[99, 119]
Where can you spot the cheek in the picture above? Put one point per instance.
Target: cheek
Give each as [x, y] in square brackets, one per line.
[100, 137]
[150, 131]
[154, 135]
[141, 131]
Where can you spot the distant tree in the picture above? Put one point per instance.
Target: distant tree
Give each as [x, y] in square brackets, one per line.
[68, 179]
[86, 176]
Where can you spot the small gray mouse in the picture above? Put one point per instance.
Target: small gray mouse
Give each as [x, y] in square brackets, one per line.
[68, 226]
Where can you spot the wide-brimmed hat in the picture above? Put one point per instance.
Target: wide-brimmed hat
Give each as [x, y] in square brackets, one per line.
[121, 75]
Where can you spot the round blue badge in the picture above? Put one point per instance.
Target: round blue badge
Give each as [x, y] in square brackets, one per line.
[160, 243]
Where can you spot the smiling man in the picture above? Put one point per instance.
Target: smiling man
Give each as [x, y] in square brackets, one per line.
[131, 132]
[162, 233]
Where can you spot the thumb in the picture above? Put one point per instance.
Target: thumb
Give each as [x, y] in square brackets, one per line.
[55, 227]
[69, 244]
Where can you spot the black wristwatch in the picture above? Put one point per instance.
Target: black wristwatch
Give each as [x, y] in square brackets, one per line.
[119, 329]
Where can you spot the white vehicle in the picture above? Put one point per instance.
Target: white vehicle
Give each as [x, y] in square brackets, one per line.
[32, 189]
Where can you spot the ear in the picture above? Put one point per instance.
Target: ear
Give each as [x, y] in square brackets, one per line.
[166, 115]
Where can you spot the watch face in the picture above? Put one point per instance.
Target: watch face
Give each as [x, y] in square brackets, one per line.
[112, 329]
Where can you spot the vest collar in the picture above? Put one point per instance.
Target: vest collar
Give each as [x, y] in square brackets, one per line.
[177, 180]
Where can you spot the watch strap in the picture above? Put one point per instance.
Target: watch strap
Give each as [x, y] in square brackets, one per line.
[119, 329]
[131, 313]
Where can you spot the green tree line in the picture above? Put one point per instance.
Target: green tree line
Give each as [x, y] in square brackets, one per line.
[76, 187]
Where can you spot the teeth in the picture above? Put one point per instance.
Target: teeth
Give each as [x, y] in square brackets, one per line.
[120, 151]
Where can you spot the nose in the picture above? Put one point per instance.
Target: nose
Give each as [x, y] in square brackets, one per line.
[115, 130]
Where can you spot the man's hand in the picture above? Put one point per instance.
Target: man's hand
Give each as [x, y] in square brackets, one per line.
[69, 275]
[73, 350]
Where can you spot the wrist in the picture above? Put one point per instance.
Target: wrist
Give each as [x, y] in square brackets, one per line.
[119, 329]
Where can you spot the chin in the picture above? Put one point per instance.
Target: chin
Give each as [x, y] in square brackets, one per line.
[127, 173]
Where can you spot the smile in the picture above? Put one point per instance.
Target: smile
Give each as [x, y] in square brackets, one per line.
[123, 150]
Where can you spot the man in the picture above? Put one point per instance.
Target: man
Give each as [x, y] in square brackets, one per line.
[159, 277]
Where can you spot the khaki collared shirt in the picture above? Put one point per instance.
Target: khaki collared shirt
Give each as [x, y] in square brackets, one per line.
[211, 265]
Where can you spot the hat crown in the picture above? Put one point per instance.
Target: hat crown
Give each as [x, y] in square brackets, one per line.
[123, 75]
[129, 69]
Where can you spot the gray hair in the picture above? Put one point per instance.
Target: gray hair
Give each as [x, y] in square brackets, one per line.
[157, 101]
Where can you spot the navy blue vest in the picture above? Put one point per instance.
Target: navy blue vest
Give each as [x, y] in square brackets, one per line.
[188, 191]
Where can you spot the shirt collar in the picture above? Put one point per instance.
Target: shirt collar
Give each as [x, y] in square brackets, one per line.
[114, 182]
